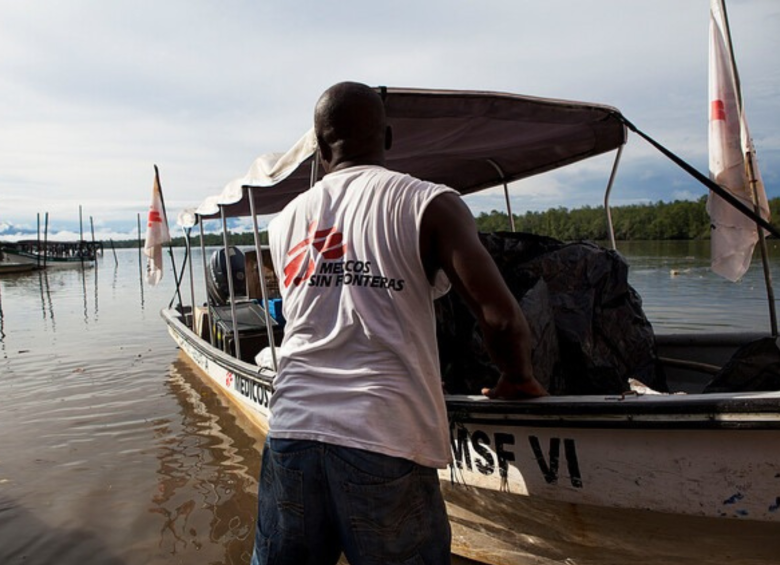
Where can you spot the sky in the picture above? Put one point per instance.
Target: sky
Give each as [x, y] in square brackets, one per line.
[94, 94]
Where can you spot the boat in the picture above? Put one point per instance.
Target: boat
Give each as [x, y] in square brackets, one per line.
[42, 254]
[12, 268]
[575, 478]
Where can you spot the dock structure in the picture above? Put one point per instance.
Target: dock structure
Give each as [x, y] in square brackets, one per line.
[51, 253]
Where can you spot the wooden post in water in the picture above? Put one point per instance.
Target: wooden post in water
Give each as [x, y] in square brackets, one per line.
[116, 261]
[81, 237]
[140, 262]
[94, 248]
[38, 215]
[45, 238]
[140, 253]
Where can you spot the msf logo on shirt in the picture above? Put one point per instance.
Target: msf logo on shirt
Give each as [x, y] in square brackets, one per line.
[302, 257]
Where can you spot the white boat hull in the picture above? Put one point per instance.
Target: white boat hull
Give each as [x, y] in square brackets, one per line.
[13, 268]
[50, 262]
[244, 384]
[680, 465]
[672, 466]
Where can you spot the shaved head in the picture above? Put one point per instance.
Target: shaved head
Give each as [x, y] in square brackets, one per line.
[351, 126]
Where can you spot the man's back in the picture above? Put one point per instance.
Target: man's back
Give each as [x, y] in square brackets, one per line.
[359, 363]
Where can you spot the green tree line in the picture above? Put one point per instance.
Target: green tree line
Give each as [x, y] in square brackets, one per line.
[210, 240]
[681, 219]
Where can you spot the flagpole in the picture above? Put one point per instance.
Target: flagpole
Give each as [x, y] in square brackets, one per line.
[770, 292]
[170, 242]
[752, 179]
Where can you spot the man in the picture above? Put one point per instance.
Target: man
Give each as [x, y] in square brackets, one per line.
[359, 422]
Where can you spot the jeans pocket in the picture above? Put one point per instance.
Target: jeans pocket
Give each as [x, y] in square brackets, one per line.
[288, 492]
[388, 518]
[281, 506]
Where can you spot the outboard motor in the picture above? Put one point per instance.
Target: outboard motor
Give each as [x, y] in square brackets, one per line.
[217, 282]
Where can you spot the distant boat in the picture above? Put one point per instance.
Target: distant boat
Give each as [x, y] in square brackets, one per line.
[52, 253]
[7, 268]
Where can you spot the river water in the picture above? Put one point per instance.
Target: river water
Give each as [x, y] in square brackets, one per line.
[114, 451]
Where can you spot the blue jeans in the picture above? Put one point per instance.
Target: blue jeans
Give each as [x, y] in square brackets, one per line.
[316, 500]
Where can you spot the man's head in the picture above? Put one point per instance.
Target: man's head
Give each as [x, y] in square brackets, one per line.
[351, 126]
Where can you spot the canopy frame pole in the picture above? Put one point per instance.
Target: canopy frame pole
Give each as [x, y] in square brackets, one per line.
[502, 176]
[188, 247]
[315, 169]
[231, 292]
[613, 174]
[205, 280]
[706, 181]
[263, 288]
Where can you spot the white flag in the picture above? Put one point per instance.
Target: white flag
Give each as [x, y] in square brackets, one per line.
[733, 234]
[156, 234]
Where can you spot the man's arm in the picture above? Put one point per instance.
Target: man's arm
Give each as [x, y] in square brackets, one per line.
[449, 241]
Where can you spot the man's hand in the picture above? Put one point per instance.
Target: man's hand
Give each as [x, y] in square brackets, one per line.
[449, 241]
[508, 390]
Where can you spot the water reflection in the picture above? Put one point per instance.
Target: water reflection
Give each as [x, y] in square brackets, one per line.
[207, 473]
[681, 294]
[141, 277]
[2, 326]
[96, 292]
[116, 276]
[28, 539]
[84, 295]
[47, 306]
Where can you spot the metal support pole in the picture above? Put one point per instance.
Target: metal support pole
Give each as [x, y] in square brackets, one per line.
[192, 279]
[263, 289]
[236, 338]
[506, 193]
[315, 169]
[206, 281]
[612, 176]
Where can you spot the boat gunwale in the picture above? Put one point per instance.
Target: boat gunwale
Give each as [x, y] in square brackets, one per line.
[655, 411]
[173, 318]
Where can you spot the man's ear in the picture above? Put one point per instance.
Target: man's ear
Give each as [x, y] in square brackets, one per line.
[325, 151]
[388, 138]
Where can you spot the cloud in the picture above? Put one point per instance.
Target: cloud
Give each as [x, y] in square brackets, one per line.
[92, 95]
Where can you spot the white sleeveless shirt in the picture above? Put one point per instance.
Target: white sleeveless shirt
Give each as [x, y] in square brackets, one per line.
[359, 365]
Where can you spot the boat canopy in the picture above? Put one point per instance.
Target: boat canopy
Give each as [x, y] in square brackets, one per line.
[469, 140]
